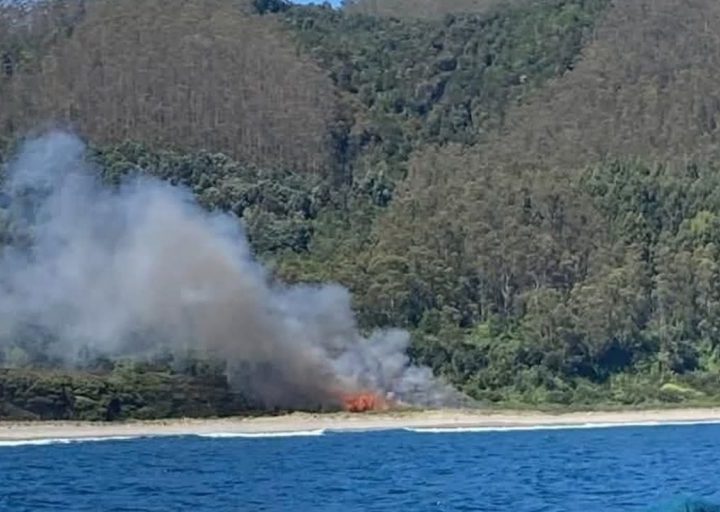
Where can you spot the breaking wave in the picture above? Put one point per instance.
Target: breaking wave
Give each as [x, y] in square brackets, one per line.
[215, 435]
[62, 440]
[565, 426]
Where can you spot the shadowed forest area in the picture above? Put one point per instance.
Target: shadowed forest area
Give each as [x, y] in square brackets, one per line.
[423, 9]
[529, 187]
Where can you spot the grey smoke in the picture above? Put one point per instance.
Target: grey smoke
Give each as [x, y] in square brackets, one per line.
[133, 269]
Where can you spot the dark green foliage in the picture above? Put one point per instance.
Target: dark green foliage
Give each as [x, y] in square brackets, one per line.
[129, 391]
[278, 206]
[638, 324]
[443, 80]
[266, 6]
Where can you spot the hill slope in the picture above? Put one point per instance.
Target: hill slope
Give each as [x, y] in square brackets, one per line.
[644, 86]
[195, 75]
[578, 241]
[529, 189]
[423, 9]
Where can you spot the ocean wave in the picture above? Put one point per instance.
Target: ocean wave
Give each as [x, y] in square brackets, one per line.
[299, 433]
[564, 426]
[62, 440]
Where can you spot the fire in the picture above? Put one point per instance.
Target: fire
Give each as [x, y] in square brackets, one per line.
[363, 402]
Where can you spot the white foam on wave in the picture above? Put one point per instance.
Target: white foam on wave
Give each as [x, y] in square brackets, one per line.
[219, 435]
[62, 440]
[229, 435]
[565, 426]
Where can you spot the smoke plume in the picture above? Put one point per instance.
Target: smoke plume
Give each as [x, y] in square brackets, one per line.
[133, 269]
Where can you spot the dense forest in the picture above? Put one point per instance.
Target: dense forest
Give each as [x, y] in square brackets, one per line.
[528, 187]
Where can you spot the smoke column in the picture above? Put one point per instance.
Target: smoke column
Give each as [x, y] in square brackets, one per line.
[129, 270]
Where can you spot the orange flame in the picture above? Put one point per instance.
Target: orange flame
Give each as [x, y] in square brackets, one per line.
[363, 402]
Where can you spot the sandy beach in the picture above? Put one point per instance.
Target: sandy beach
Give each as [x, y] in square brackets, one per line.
[315, 423]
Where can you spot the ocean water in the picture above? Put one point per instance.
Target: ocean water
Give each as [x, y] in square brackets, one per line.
[579, 470]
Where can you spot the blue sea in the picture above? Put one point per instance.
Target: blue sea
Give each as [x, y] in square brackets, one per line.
[578, 470]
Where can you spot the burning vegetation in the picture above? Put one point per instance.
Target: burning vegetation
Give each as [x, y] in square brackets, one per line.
[364, 401]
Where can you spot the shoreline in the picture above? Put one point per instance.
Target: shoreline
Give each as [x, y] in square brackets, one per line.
[298, 423]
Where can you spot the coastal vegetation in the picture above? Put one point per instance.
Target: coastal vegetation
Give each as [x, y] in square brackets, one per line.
[529, 187]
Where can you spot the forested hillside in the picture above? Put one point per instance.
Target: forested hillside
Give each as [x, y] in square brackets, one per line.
[644, 88]
[529, 187]
[193, 75]
[424, 9]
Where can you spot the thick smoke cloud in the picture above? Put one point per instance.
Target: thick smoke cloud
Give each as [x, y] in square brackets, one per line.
[129, 270]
